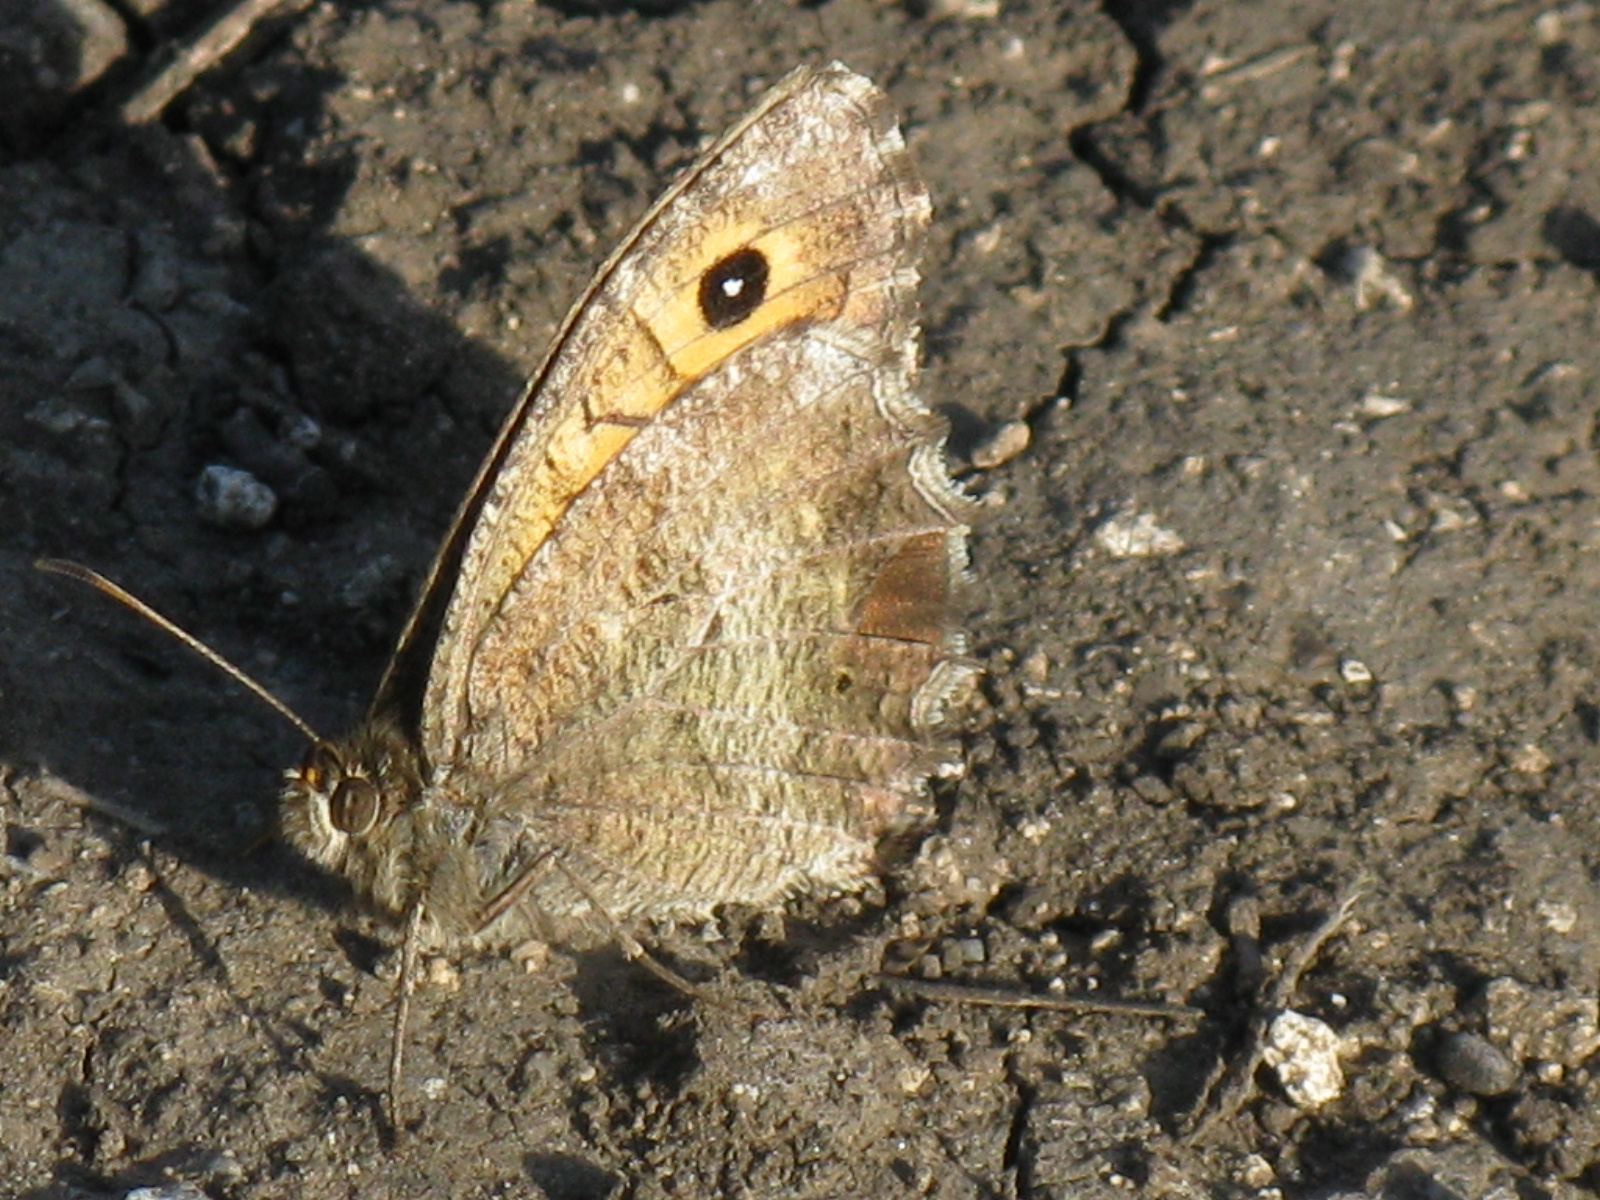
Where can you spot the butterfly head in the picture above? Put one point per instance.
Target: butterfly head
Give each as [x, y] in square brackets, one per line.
[348, 807]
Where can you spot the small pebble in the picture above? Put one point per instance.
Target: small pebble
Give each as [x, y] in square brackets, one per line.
[1137, 536]
[914, 1078]
[964, 10]
[1475, 1065]
[1378, 406]
[1305, 1053]
[93, 373]
[533, 955]
[442, 973]
[1004, 444]
[1375, 283]
[1035, 669]
[229, 498]
[167, 1191]
[1256, 1172]
[138, 877]
[952, 958]
[221, 1167]
[58, 416]
[1355, 672]
[302, 432]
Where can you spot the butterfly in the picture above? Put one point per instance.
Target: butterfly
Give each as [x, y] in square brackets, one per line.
[689, 640]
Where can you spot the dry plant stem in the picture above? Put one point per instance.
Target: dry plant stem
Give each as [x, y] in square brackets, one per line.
[59, 789]
[1232, 1088]
[960, 993]
[200, 55]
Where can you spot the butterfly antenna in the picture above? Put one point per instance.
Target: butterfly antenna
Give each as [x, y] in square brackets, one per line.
[83, 574]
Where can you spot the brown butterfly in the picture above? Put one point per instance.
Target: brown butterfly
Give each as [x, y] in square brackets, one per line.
[688, 641]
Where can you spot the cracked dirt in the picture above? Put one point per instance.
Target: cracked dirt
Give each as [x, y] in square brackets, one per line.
[1287, 599]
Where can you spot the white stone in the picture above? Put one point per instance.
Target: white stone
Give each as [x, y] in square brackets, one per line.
[229, 498]
[1305, 1053]
[1137, 536]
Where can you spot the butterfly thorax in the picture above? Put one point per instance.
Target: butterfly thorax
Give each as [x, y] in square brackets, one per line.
[353, 806]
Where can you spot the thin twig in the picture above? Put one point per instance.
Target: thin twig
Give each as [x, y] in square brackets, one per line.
[1237, 1084]
[54, 788]
[960, 993]
[200, 55]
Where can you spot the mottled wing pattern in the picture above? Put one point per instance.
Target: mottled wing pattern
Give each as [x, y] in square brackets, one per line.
[699, 641]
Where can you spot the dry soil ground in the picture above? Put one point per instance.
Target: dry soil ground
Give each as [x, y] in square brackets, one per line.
[1290, 600]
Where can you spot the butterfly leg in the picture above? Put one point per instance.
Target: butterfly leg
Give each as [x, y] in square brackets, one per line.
[631, 946]
[508, 896]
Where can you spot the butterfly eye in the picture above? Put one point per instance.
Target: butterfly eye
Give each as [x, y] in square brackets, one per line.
[733, 288]
[321, 764]
[353, 807]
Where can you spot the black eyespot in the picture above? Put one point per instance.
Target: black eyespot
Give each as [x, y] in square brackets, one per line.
[353, 807]
[734, 288]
